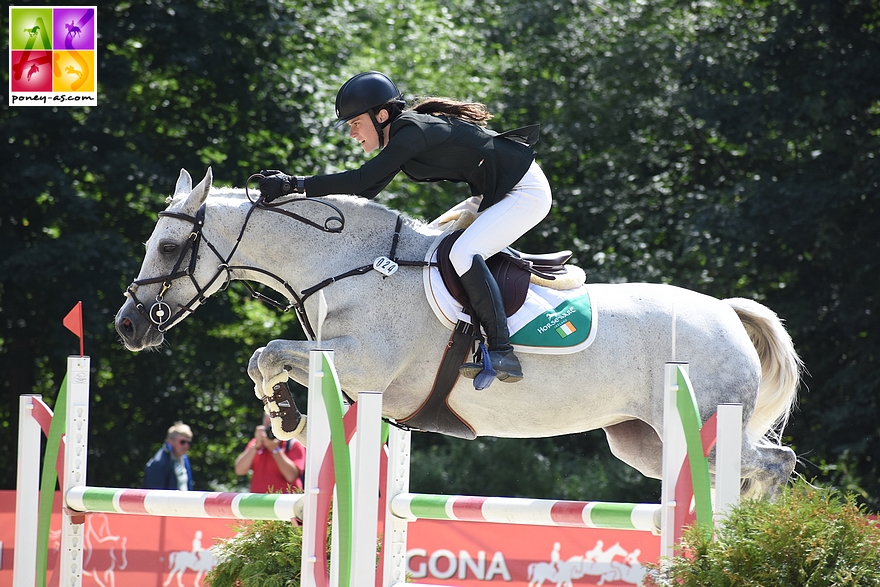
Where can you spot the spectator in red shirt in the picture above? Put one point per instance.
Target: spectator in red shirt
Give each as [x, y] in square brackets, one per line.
[277, 465]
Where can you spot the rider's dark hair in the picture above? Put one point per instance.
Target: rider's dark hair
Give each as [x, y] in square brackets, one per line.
[473, 112]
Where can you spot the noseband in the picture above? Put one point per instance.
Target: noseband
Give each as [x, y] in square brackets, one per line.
[160, 313]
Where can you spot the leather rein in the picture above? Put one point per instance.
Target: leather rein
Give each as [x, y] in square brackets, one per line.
[160, 313]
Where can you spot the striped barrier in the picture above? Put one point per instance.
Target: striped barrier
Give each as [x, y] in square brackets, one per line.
[186, 504]
[364, 472]
[535, 512]
[687, 442]
[68, 463]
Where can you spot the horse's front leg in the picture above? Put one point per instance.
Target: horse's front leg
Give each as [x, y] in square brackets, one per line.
[270, 367]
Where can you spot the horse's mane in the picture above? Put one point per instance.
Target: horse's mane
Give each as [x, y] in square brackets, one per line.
[348, 203]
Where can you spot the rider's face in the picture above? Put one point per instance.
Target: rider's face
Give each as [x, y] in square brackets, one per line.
[362, 130]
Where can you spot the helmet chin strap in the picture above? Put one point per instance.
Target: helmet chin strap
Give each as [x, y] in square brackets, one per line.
[380, 128]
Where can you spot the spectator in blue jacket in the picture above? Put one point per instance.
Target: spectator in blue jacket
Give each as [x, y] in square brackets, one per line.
[169, 468]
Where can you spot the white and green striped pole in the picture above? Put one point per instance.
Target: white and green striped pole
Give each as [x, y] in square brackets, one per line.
[534, 512]
[185, 504]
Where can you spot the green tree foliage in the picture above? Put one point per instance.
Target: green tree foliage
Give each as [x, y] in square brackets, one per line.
[728, 147]
[182, 84]
[574, 467]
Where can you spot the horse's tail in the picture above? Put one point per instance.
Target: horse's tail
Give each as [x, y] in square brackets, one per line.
[781, 369]
[172, 560]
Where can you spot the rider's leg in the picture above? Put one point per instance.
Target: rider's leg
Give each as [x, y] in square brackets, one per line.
[496, 228]
[488, 309]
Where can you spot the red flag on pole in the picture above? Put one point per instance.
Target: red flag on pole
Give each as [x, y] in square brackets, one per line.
[74, 323]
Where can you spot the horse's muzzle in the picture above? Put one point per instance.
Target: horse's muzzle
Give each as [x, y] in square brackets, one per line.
[135, 330]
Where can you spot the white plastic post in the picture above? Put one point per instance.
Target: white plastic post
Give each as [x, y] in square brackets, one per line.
[728, 460]
[317, 442]
[76, 439]
[366, 484]
[674, 453]
[27, 484]
[394, 533]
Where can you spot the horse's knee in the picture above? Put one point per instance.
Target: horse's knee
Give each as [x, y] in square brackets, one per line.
[253, 368]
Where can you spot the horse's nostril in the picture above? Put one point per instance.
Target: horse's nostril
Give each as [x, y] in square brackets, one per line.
[127, 326]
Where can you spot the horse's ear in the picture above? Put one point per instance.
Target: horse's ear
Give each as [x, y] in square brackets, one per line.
[184, 185]
[199, 194]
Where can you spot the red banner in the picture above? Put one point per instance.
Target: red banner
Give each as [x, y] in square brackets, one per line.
[150, 551]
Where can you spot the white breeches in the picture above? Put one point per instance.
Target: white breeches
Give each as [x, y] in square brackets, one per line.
[502, 223]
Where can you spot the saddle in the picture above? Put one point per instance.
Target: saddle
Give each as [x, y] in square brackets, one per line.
[511, 269]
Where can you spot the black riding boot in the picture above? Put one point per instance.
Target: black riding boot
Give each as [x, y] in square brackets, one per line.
[488, 307]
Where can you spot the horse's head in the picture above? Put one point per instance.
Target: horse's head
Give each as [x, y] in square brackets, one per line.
[170, 285]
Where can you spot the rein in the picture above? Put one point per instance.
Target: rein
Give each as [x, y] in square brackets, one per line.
[160, 313]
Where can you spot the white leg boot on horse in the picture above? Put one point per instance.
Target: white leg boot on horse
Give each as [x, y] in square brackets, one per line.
[287, 421]
[488, 307]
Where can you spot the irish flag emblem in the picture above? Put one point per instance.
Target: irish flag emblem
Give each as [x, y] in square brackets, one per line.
[566, 329]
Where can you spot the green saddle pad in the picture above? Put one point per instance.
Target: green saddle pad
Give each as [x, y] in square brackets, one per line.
[555, 321]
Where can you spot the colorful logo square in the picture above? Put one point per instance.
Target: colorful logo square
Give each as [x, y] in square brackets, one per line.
[74, 29]
[31, 71]
[30, 29]
[53, 56]
[74, 71]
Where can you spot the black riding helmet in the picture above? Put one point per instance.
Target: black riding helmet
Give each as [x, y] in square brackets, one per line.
[364, 93]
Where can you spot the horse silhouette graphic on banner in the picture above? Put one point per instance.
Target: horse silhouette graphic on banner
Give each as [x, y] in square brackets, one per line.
[596, 562]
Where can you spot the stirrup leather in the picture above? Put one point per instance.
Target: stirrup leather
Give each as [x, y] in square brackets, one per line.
[289, 414]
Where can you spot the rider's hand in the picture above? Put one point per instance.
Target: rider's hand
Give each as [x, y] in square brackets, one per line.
[275, 184]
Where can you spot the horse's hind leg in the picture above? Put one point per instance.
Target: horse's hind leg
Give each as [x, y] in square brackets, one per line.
[637, 444]
[766, 468]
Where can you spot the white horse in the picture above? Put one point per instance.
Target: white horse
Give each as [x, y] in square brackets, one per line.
[387, 338]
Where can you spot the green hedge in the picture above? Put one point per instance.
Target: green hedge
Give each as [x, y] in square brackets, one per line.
[808, 537]
[263, 554]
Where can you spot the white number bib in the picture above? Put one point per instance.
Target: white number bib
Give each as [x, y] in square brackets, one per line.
[385, 266]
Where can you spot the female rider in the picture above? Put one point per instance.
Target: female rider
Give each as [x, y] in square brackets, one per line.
[441, 139]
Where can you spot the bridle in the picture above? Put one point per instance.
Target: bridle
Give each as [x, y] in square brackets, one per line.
[160, 313]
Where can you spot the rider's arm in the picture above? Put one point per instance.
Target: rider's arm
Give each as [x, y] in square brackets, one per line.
[372, 177]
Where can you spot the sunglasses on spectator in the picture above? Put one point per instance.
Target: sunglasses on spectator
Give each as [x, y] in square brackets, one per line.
[185, 441]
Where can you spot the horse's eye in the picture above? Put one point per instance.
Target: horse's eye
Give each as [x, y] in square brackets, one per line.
[168, 248]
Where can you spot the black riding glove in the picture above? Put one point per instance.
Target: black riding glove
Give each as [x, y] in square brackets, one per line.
[275, 184]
